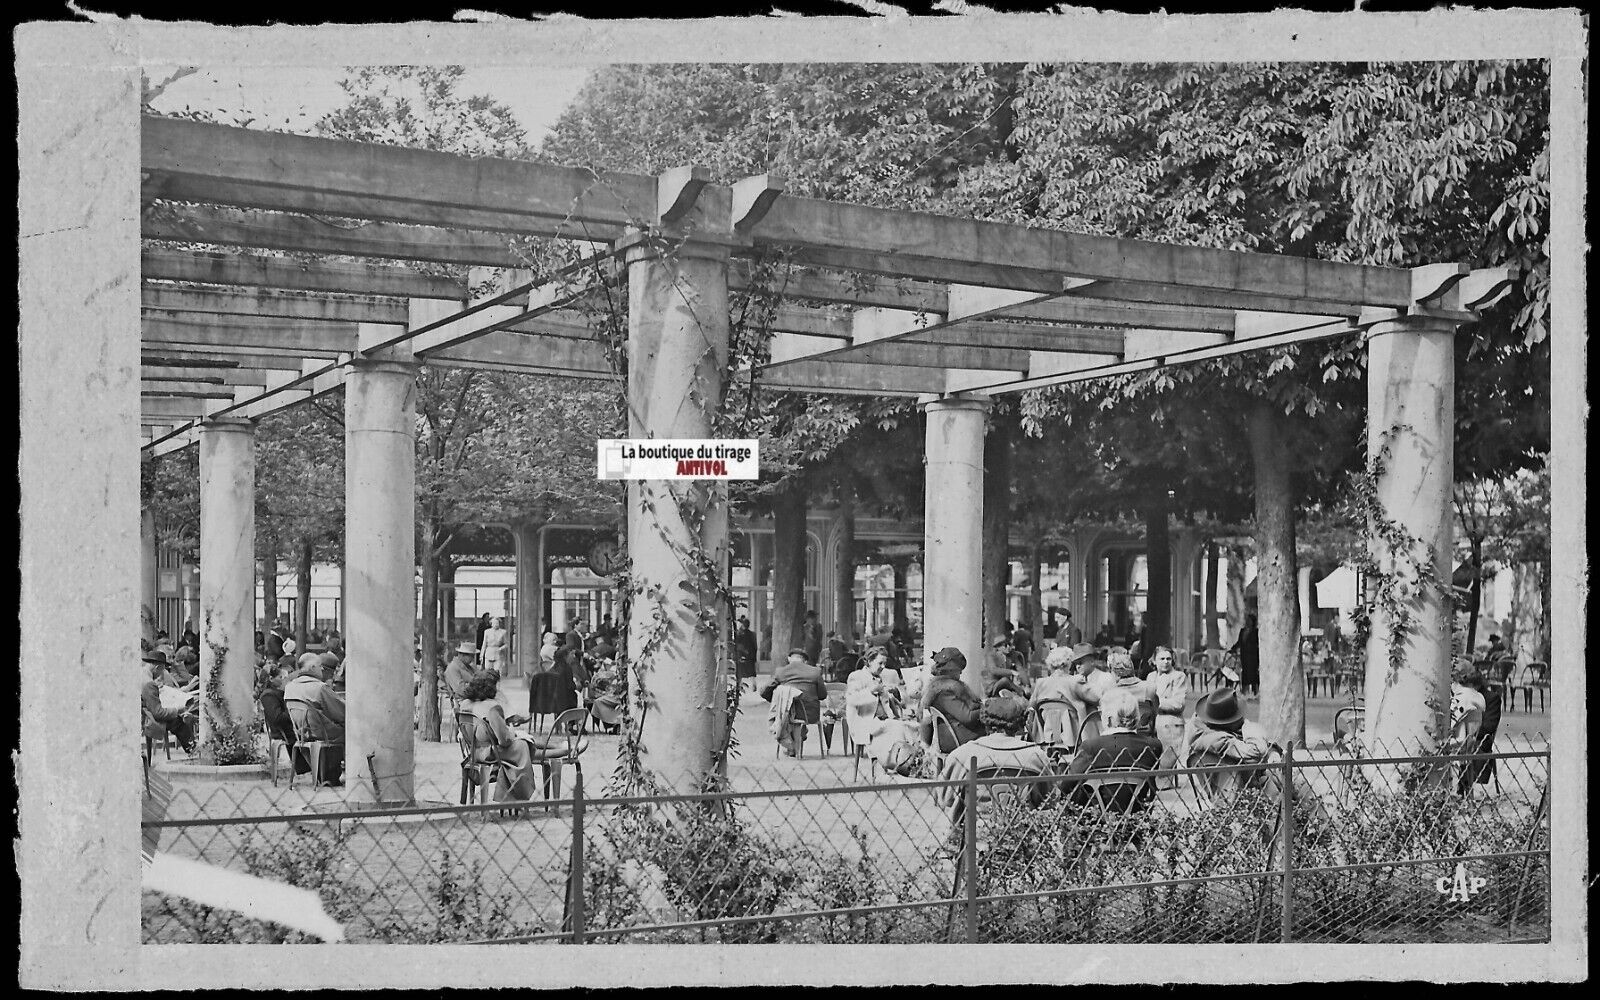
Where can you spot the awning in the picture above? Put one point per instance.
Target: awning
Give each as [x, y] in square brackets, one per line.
[1337, 589]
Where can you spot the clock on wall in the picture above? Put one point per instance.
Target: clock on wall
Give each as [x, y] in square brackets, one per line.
[604, 557]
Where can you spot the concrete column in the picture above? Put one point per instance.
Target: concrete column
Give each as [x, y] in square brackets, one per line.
[148, 574]
[677, 529]
[380, 565]
[525, 653]
[952, 562]
[1410, 428]
[227, 588]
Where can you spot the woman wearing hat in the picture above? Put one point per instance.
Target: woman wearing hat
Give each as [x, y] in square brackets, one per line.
[946, 692]
[1001, 746]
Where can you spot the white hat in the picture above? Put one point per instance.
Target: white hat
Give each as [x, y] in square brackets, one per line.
[288, 645]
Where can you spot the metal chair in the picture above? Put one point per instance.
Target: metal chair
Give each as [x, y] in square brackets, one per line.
[1119, 791]
[937, 719]
[795, 720]
[304, 742]
[572, 727]
[1052, 718]
[473, 770]
[1089, 728]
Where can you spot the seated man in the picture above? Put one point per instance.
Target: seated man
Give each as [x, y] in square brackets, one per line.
[1217, 735]
[277, 716]
[799, 673]
[1089, 681]
[324, 710]
[1117, 746]
[998, 672]
[945, 691]
[1001, 746]
[160, 719]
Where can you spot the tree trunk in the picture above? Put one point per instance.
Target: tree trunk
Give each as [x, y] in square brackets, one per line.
[269, 580]
[1036, 595]
[1283, 686]
[788, 569]
[996, 527]
[428, 718]
[302, 608]
[1158, 573]
[902, 583]
[1212, 640]
[1476, 595]
[844, 578]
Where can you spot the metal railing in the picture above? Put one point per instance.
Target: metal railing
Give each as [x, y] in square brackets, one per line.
[1302, 847]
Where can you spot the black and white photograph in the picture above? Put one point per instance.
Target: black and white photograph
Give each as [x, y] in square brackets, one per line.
[858, 487]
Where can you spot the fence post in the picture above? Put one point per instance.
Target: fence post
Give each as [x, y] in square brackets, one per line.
[1286, 836]
[969, 850]
[575, 866]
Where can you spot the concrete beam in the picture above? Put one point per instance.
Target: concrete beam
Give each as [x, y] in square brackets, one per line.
[321, 307]
[258, 271]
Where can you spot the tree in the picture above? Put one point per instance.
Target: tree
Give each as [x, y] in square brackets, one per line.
[1394, 165]
[490, 445]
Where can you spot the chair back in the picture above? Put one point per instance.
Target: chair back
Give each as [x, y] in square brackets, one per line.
[467, 734]
[1006, 791]
[1540, 672]
[938, 720]
[847, 663]
[1116, 790]
[573, 724]
[1055, 717]
[1089, 728]
[300, 720]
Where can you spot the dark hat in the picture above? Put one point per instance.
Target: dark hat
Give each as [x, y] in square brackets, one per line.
[1007, 710]
[155, 656]
[797, 651]
[1084, 651]
[1219, 708]
[949, 654]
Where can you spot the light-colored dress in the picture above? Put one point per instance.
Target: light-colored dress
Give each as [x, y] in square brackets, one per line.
[496, 740]
[863, 702]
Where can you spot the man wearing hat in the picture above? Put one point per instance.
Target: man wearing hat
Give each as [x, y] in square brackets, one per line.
[806, 678]
[1218, 735]
[158, 719]
[945, 691]
[998, 674]
[460, 668]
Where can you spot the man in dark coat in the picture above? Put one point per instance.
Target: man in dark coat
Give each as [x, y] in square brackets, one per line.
[806, 678]
[179, 722]
[948, 693]
[744, 652]
[1117, 746]
[811, 636]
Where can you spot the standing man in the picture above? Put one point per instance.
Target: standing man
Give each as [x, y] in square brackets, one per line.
[1249, 652]
[496, 643]
[1172, 691]
[1068, 634]
[811, 636]
[1022, 641]
[575, 635]
[744, 653]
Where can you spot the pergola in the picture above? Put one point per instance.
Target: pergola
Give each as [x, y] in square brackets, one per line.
[963, 310]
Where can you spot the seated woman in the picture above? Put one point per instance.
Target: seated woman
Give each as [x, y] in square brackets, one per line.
[605, 701]
[872, 708]
[946, 692]
[495, 738]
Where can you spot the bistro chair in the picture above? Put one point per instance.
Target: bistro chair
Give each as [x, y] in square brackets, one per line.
[304, 742]
[475, 771]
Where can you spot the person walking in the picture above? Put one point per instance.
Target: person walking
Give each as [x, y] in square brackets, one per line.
[1248, 649]
[496, 647]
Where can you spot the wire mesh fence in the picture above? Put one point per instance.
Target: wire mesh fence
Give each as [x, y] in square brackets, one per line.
[1306, 846]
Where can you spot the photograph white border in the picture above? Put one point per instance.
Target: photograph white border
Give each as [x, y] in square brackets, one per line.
[78, 103]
